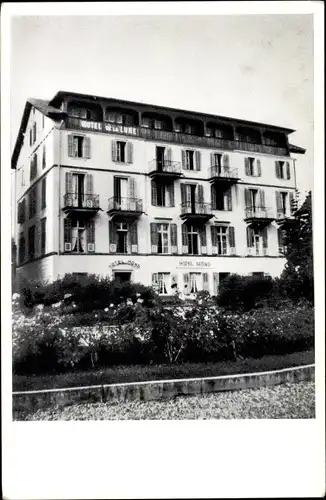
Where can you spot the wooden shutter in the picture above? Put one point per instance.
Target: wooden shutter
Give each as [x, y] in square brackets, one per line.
[213, 197]
[154, 192]
[203, 239]
[278, 201]
[170, 189]
[247, 198]
[186, 279]
[198, 160]
[264, 233]
[69, 183]
[249, 237]
[262, 198]
[44, 157]
[168, 155]
[134, 236]
[30, 137]
[277, 169]
[90, 228]
[67, 230]
[185, 248]
[231, 237]
[174, 238]
[212, 160]
[258, 168]
[247, 166]
[154, 279]
[229, 199]
[89, 183]
[43, 194]
[215, 283]
[214, 239]
[184, 162]
[129, 152]
[71, 145]
[291, 201]
[154, 237]
[86, 147]
[112, 237]
[288, 171]
[43, 236]
[226, 162]
[114, 150]
[131, 187]
[200, 193]
[205, 281]
[183, 193]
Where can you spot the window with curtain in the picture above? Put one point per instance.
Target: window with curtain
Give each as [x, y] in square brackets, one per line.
[163, 238]
[194, 285]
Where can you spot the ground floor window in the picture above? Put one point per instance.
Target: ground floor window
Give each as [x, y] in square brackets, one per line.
[161, 281]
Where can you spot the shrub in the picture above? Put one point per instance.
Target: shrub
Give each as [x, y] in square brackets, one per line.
[245, 292]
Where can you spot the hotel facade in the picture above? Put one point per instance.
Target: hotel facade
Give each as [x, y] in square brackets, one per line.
[138, 192]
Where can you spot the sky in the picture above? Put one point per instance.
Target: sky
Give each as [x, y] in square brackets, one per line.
[257, 67]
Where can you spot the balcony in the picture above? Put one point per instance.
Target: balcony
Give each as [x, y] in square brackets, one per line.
[87, 204]
[284, 218]
[125, 208]
[258, 216]
[165, 169]
[196, 212]
[223, 175]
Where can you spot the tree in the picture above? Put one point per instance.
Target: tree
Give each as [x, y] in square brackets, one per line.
[13, 261]
[297, 279]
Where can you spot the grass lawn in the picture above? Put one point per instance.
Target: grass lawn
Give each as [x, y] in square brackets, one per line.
[134, 373]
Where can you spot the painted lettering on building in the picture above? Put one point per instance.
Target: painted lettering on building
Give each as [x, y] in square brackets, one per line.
[190, 263]
[131, 263]
[107, 127]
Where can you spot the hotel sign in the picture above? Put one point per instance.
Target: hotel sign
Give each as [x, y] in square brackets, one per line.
[110, 128]
[193, 264]
[131, 263]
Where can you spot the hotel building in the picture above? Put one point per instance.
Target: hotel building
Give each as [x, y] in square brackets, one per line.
[149, 194]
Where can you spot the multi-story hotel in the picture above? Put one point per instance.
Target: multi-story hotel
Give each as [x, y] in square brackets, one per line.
[149, 194]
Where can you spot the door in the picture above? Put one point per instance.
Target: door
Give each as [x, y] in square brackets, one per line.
[160, 158]
[122, 276]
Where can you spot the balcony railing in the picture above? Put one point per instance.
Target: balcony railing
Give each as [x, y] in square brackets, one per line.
[125, 205]
[258, 251]
[196, 210]
[166, 168]
[224, 174]
[81, 201]
[176, 137]
[258, 213]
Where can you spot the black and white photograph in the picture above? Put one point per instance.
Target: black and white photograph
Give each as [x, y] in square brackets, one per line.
[162, 222]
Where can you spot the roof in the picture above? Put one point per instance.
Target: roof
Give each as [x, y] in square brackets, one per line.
[296, 149]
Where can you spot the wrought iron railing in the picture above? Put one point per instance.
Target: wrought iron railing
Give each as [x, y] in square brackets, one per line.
[258, 213]
[124, 204]
[284, 214]
[75, 200]
[196, 208]
[165, 166]
[223, 172]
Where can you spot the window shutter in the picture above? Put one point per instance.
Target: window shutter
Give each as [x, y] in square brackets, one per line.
[34, 132]
[281, 240]
[278, 201]
[134, 236]
[186, 279]
[70, 145]
[30, 137]
[205, 281]
[90, 228]
[69, 183]
[212, 160]
[213, 197]
[174, 238]
[154, 237]
[183, 193]
[247, 166]
[129, 152]
[67, 230]
[43, 194]
[89, 184]
[44, 158]
[249, 237]
[86, 147]
[277, 169]
[247, 198]
[154, 192]
[170, 189]
[203, 239]
[214, 238]
[291, 201]
[154, 279]
[132, 187]
[112, 237]
[265, 237]
[200, 193]
[288, 172]
[262, 198]
[226, 162]
[258, 168]
[231, 237]
[184, 238]
[229, 199]
[114, 150]
[215, 283]
[198, 160]
[184, 162]
[168, 155]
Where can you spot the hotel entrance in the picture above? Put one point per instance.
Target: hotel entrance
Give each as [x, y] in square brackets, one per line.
[122, 276]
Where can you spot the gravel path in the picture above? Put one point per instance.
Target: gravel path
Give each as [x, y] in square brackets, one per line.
[282, 401]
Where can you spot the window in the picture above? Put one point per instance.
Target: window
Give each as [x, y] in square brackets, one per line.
[162, 194]
[257, 241]
[194, 282]
[122, 152]
[31, 242]
[282, 247]
[252, 167]
[123, 237]
[79, 235]
[189, 165]
[191, 160]
[255, 201]
[32, 202]
[223, 240]
[42, 121]
[161, 281]
[163, 238]
[21, 212]
[44, 158]
[34, 133]
[282, 170]
[78, 112]
[79, 146]
[21, 248]
[79, 190]
[43, 195]
[33, 167]
[22, 177]
[43, 235]
[221, 199]
[193, 247]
